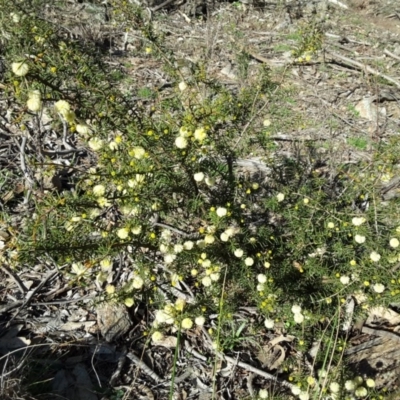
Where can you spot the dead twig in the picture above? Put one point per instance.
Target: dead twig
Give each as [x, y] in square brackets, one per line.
[30, 295]
[162, 5]
[22, 288]
[388, 53]
[256, 371]
[139, 363]
[362, 67]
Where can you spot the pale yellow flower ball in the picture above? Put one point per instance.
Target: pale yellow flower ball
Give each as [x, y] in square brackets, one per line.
[199, 321]
[180, 304]
[181, 142]
[166, 235]
[62, 107]
[178, 248]
[160, 317]
[280, 197]
[123, 233]
[95, 143]
[296, 309]
[378, 288]
[106, 264]
[157, 336]
[359, 239]
[357, 221]
[394, 243]
[238, 253]
[20, 68]
[334, 387]
[295, 390]
[311, 380]
[169, 310]
[82, 129]
[374, 256]
[261, 278]
[198, 177]
[206, 281]
[200, 134]
[188, 245]
[269, 323]
[169, 258]
[99, 190]
[103, 202]
[224, 237]
[129, 302]
[298, 318]
[34, 93]
[78, 268]
[139, 152]
[361, 392]
[110, 289]
[187, 323]
[350, 385]
[215, 276]
[137, 282]
[136, 230]
[221, 212]
[164, 248]
[249, 261]
[370, 383]
[304, 396]
[34, 104]
[209, 239]
[263, 394]
[344, 280]
[231, 231]
[182, 86]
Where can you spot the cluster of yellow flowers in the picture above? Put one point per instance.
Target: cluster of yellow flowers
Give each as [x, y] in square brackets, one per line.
[199, 135]
[211, 272]
[171, 314]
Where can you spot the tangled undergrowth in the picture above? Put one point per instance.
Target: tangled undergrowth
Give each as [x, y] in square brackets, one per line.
[190, 184]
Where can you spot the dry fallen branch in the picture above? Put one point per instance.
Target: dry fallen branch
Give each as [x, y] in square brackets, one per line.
[362, 67]
[140, 364]
[388, 53]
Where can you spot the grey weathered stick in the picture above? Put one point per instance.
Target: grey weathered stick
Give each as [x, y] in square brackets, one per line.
[363, 67]
[257, 371]
[30, 295]
[388, 53]
[248, 367]
[137, 361]
[22, 288]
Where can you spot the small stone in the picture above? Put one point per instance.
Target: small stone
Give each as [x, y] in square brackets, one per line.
[113, 320]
